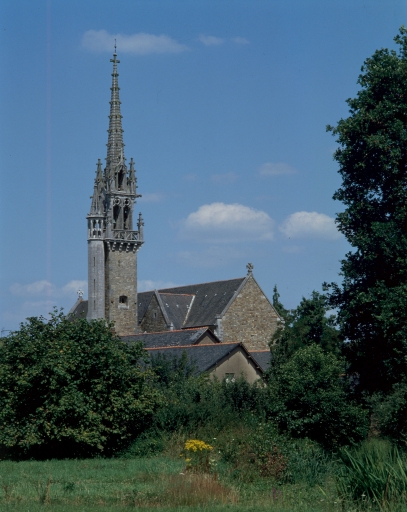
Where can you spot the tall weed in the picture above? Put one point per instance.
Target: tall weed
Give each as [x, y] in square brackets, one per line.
[374, 474]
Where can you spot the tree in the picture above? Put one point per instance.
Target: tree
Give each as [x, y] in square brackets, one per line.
[278, 306]
[309, 397]
[71, 388]
[372, 159]
[308, 324]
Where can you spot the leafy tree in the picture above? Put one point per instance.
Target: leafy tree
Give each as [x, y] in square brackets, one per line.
[372, 159]
[278, 306]
[309, 397]
[172, 370]
[71, 388]
[307, 324]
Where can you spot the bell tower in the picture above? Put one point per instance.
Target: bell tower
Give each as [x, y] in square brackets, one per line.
[112, 241]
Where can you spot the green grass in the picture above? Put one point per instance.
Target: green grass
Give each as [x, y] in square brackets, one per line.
[145, 483]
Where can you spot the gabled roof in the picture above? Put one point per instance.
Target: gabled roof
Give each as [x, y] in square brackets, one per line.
[185, 337]
[79, 309]
[177, 307]
[204, 357]
[143, 300]
[262, 358]
[210, 299]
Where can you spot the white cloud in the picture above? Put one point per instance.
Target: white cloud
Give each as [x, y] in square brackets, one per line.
[275, 169]
[228, 177]
[139, 44]
[228, 223]
[73, 287]
[32, 289]
[310, 224]
[45, 288]
[210, 40]
[144, 285]
[150, 198]
[240, 40]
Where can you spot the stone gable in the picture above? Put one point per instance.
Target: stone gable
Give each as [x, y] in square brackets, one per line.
[153, 320]
[250, 319]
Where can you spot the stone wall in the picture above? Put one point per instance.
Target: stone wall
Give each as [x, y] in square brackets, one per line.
[153, 320]
[251, 319]
[120, 280]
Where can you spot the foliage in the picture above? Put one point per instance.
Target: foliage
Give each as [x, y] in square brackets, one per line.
[372, 157]
[71, 388]
[307, 324]
[171, 370]
[390, 413]
[310, 397]
[375, 473]
[278, 306]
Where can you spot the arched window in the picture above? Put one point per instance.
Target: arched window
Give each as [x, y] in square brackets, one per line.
[123, 300]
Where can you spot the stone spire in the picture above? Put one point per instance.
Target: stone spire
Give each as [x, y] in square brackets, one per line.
[115, 146]
[97, 207]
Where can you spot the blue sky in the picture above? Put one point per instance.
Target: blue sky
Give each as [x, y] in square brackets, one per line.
[224, 108]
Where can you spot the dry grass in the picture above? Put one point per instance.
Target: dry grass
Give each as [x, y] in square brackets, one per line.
[189, 490]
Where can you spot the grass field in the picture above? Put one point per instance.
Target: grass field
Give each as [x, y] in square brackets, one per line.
[145, 483]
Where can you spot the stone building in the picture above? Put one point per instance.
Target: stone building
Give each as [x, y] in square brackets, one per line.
[236, 310]
[232, 312]
[112, 241]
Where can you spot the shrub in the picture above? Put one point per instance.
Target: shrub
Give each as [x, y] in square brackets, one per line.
[71, 388]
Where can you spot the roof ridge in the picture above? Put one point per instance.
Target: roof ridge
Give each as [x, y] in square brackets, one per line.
[192, 346]
[166, 332]
[182, 294]
[198, 284]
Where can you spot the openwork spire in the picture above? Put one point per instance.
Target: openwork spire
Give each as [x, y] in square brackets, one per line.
[115, 146]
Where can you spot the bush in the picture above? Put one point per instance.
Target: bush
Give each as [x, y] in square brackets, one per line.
[71, 388]
[390, 413]
[310, 397]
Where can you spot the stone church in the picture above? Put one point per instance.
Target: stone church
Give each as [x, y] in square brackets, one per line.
[234, 312]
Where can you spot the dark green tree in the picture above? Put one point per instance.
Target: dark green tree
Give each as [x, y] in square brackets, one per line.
[372, 157]
[308, 324]
[278, 306]
[310, 397]
[71, 388]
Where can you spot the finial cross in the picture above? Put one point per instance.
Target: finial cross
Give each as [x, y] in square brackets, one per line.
[80, 293]
[249, 267]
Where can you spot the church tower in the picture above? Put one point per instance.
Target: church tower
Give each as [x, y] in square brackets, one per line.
[112, 241]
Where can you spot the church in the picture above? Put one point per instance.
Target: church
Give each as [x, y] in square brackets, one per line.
[233, 319]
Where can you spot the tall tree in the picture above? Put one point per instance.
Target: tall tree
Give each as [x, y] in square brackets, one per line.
[306, 325]
[372, 157]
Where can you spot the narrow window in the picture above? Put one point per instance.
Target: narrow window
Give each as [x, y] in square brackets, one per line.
[94, 261]
[123, 300]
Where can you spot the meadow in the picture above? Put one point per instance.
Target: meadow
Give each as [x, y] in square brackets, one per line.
[304, 479]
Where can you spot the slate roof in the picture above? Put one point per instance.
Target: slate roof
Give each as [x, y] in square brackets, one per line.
[176, 307]
[186, 337]
[79, 309]
[204, 357]
[143, 300]
[262, 358]
[210, 300]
